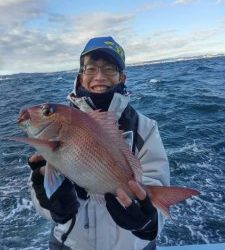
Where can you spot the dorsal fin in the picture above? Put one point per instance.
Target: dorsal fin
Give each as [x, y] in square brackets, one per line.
[104, 118]
[108, 121]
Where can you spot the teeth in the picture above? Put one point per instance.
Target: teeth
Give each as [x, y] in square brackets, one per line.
[100, 88]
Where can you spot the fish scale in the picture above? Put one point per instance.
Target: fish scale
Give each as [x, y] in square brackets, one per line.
[87, 157]
[105, 169]
[99, 164]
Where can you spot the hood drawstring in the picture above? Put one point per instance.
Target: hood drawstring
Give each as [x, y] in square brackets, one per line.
[65, 235]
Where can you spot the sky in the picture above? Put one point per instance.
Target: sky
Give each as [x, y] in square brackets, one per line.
[49, 35]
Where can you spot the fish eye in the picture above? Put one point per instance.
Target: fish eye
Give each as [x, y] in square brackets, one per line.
[47, 110]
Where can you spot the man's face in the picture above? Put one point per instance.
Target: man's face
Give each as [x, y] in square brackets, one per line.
[104, 77]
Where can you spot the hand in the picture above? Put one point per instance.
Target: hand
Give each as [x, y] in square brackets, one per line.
[138, 215]
[63, 204]
[37, 162]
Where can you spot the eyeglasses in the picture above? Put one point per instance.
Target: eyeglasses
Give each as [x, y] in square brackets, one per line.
[109, 70]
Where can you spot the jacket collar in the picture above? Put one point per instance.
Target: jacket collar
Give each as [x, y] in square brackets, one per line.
[117, 105]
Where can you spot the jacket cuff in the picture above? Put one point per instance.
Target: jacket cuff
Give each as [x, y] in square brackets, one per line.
[150, 232]
[37, 178]
[38, 185]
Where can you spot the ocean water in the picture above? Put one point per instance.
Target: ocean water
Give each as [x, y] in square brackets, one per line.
[187, 98]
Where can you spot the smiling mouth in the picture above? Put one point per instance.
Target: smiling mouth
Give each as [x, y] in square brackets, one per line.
[100, 88]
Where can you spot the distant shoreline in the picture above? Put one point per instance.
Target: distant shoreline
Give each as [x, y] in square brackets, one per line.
[176, 59]
[166, 60]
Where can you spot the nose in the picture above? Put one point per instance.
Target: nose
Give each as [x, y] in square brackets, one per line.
[100, 75]
[24, 115]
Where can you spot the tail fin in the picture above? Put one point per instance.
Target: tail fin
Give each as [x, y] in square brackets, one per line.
[163, 197]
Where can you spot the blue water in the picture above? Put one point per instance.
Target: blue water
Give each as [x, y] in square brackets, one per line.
[187, 98]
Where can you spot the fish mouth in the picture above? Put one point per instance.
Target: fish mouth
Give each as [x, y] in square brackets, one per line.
[25, 123]
[24, 117]
[38, 132]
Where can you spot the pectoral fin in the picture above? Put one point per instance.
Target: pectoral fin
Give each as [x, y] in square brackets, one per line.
[51, 144]
[52, 181]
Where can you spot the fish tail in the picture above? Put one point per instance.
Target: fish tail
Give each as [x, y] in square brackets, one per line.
[163, 197]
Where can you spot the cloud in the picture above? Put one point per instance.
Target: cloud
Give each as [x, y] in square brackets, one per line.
[191, 1]
[57, 44]
[184, 1]
[97, 24]
[172, 43]
[26, 50]
[29, 50]
[15, 13]
[220, 1]
[11, 2]
[150, 6]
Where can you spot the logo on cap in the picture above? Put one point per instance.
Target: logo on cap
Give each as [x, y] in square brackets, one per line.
[116, 48]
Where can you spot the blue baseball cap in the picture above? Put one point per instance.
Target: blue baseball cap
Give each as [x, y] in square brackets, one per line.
[109, 46]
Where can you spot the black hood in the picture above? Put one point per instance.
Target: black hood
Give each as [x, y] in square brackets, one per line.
[101, 100]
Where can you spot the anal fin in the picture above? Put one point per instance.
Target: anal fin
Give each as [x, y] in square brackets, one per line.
[52, 180]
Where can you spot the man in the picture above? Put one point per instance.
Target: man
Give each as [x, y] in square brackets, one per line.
[118, 222]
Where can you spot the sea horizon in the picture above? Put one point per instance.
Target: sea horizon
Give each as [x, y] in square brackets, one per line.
[155, 61]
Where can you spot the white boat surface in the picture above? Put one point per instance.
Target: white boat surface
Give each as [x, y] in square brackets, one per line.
[218, 246]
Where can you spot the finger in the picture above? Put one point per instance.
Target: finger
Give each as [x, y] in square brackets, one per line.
[36, 157]
[137, 190]
[42, 170]
[36, 161]
[123, 197]
[114, 206]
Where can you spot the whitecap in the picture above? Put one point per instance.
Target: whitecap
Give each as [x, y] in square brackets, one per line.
[193, 147]
[154, 80]
[4, 78]
[22, 204]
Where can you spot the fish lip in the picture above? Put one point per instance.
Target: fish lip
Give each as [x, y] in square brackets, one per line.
[24, 117]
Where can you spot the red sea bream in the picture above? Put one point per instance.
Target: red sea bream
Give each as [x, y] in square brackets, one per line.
[89, 149]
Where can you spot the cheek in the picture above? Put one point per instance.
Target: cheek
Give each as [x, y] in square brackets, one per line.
[85, 80]
[115, 79]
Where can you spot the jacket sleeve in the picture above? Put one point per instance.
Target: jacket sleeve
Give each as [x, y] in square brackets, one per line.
[62, 205]
[41, 211]
[153, 158]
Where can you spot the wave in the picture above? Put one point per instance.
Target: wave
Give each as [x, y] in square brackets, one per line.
[207, 108]
[203, 68]
[155, 80]
[5, 78]
[189, 108]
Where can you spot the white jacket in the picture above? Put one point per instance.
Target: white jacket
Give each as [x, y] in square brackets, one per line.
[94, 228]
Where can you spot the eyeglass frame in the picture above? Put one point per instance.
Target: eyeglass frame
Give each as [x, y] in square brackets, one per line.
[83, 69]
